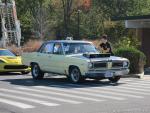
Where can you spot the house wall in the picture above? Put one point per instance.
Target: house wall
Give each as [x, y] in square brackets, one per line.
[145, 47]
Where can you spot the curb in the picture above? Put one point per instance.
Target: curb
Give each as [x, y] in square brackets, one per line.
[140, 76]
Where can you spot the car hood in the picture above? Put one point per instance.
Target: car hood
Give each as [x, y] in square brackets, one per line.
[111, 58]
[11, 59]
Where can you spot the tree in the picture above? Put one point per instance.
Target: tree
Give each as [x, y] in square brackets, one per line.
[60, 17]
[40, 11]
[69, 7]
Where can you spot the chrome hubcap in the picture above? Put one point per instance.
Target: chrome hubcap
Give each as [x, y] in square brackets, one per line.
[75, 75]
[35, 70]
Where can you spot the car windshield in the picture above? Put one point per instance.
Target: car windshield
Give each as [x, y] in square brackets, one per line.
[78, 48]
[6, 53]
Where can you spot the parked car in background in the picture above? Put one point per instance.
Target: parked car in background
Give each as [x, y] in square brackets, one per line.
[9, 62]
[75, 59]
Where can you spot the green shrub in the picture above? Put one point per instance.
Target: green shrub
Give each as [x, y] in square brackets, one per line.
[127, 42]
[137, 58]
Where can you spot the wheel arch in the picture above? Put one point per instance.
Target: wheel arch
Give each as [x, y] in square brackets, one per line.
[72, 66]
[80, 67]
[31, 63]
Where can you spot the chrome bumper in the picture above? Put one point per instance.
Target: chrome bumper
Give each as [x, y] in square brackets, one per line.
[105, 73]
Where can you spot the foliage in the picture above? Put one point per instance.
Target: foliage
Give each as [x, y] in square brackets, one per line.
[127, 42]
[46, 19]
[137, 58]
[92, 23]
[30, 46]
[139, 7]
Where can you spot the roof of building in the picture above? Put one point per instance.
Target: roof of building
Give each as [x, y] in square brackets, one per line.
[139, 17]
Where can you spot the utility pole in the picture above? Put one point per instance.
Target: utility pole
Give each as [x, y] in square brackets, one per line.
[78, 31]
[10, 25]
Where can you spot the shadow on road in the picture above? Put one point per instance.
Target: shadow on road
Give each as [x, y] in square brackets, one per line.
[60, 82]
[9, 73]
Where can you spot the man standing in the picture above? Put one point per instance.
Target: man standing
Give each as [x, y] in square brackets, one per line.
[105, 46]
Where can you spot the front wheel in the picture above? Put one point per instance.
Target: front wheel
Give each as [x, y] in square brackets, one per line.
[75, 75]
[114, 79]
[36, 72]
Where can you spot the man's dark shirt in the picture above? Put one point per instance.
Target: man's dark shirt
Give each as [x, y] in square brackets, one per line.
[106, 46]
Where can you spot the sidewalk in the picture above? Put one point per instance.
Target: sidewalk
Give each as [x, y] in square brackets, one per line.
[140, 76]
[145, 75]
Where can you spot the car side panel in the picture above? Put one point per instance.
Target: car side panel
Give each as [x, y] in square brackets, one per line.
[57, 64]
[27, 58]
[72, 61]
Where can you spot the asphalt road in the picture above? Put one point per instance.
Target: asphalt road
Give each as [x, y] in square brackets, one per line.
[22, 94]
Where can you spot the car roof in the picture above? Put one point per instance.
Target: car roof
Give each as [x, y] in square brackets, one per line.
[68, 41]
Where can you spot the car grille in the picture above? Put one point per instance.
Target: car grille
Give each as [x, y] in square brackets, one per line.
[100, 65]
[107, 65]
[117, 64]
[15, 67]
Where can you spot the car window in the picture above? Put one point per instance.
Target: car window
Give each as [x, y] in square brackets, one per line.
[78, 48]
[6, 53]
[57, 48]
[47, 48]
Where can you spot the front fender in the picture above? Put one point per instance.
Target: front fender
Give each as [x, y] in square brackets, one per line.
[80, 63]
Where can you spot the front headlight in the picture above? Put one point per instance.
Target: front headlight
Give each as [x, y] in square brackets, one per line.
[90, 65]
[125, 64]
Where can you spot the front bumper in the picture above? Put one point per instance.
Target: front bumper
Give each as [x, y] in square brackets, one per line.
[14, 68]
[106, 73]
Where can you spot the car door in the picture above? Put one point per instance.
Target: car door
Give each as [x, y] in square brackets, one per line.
[44, 57]
[57, 59]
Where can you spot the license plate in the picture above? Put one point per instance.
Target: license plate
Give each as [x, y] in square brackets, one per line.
[108, 74]
[118, 73]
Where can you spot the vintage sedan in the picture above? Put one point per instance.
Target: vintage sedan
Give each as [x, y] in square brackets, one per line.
[75, 59]
[9, 62]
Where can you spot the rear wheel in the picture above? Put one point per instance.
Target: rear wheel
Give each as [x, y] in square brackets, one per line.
[36, 72]
[114, 79]
[75, 75]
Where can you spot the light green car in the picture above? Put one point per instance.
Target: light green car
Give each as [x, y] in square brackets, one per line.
[75, 59]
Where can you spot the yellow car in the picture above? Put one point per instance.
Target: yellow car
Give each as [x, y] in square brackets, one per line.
[9, 62]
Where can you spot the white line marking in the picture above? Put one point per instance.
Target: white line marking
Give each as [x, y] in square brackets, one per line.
[41, 96]
[102, 91]
[109, 88]
[138, 86]
[29, 99]
[120, 86]
[128, 80]
[131, 88]
[136, 80]
[16, 104]
[56, 93]
[118, 89]
[76, 91]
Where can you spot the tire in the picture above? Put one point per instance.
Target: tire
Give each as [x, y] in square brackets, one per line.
[75, 75]
[25, 72]
[36, 72]
[114, 79]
